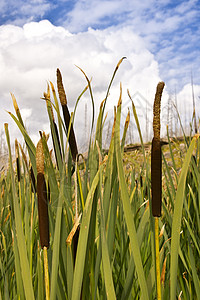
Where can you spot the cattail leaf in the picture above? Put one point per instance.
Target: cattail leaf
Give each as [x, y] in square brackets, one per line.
[16, 107]
[21, 243]
[54, 131]
[110, 84]
[29, 143]
[60, 123]
[156, 177]
[32, 179]
[125, 130]
[127, 211]
[176, 224]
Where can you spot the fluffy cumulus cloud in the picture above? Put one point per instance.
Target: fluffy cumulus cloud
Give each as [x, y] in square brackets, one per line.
[29, 56]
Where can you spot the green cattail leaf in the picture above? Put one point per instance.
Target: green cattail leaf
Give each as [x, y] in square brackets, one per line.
[24, 263]
[176, 225]
[83, 241]
[128, 212]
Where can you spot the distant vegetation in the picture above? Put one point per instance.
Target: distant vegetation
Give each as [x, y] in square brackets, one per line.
[113, 225]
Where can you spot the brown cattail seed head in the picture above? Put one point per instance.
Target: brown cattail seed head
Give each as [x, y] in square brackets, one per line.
[156, 177]
[61, 91]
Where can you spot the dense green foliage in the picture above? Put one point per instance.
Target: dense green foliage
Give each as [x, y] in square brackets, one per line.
[111, 253]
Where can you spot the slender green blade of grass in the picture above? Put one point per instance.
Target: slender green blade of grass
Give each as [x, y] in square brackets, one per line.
[138, 127]
[194, 273]
[127, 211]
[20, 288]
[29, 143]
[25, 268]
[58, 117]
[113, 76]
[192, 236]
[176, 225]
[92, 99]
[83, 241]
[110, 291]
[56, 244]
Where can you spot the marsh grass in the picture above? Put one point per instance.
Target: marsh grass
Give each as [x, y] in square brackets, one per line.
[101, 226]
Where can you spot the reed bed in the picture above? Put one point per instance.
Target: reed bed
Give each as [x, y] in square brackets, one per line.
[98, 233]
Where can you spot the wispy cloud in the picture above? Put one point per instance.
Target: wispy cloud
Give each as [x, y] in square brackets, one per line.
[23, 11]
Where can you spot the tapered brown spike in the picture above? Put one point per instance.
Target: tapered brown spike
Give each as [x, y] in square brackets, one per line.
[61, 91]
[66, 114]
[156, 177]
[42, 197]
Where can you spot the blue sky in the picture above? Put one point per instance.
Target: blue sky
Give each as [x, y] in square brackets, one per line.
[161, 40]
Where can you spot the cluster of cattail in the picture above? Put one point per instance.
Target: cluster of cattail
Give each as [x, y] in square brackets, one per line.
[41, 185]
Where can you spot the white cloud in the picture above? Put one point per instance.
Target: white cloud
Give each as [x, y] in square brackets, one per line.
[30, 55]
[31, 58]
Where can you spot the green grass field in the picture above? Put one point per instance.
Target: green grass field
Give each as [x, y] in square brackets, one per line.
[86, 230]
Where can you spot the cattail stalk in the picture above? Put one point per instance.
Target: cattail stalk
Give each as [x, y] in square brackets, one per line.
[66, 114]
[46, 273]
[156, 179]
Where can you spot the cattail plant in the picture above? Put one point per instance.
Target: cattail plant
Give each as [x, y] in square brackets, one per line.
[66, 114]
[43, 210]
[156, 178]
